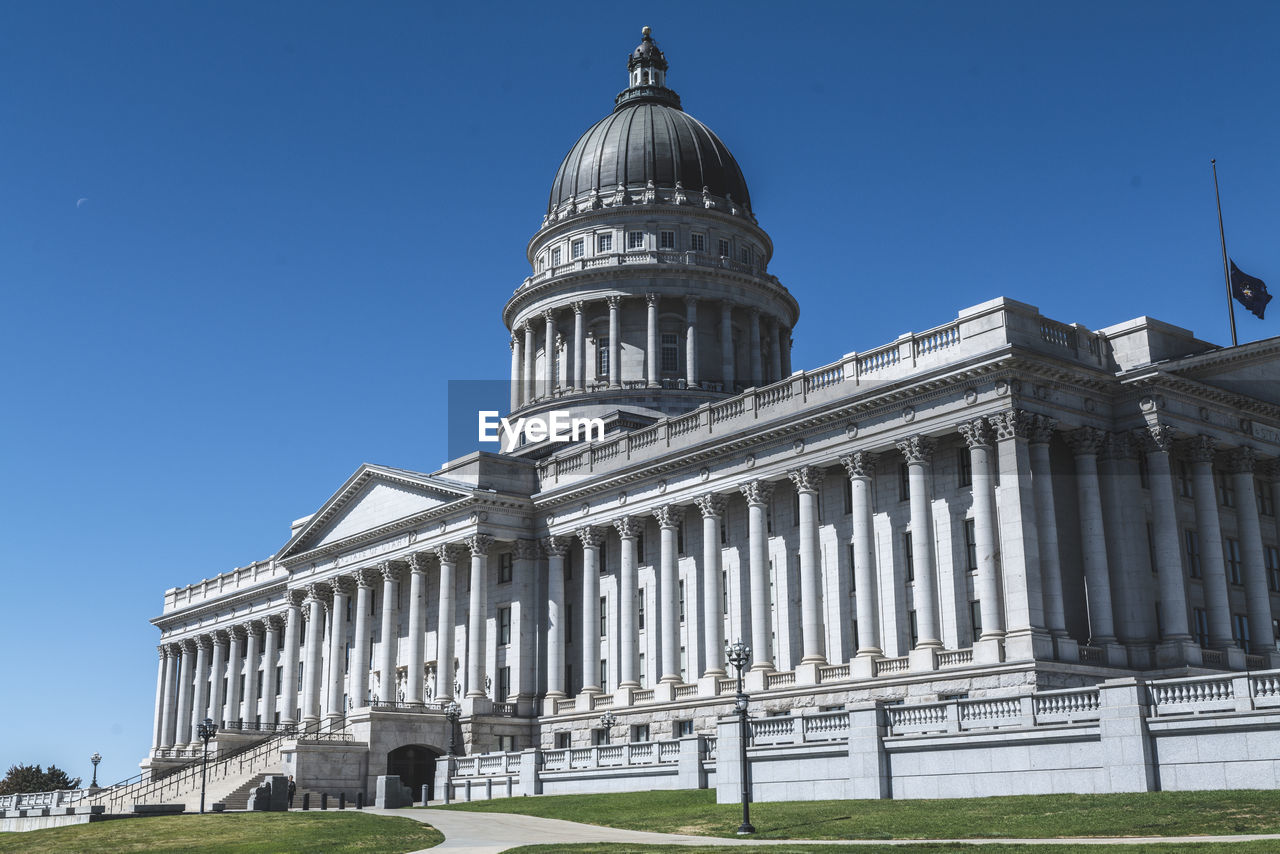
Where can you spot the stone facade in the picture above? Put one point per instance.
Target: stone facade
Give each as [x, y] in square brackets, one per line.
[1001, 505]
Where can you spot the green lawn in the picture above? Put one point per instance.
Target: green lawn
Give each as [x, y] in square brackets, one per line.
[233, 833]
[1026, 816]
[1266, 847]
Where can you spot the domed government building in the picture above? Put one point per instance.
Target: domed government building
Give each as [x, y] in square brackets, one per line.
[1008, 554]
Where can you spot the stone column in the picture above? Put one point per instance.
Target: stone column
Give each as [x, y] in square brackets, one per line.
[651, 350]
[390, 636]
[615, 343]
[524, 630]
[1262, 640]
[555, 547]
[579, 347]
[417, 627]
[479, 545]
[757, 366]
[157, 731]
[712, 507]
[775, 357]
[200, 709]
[629, 667]
[1157, 440]
[1128, 550]
[530, 371]
[217, 686]
[726, 348]
[1212, 563]
[168, 716]
[314, 617]
[978, 435]
[591, 539]
[807, 480]
[517, 382]
[270, 649]
[358, 684]
[1085, 443]
[918, 451]
[786, 352]
[184, 722]
[691, 341]
[252, 635]
[289, 669]
[235, 660]
[335, 708]
[549, 349]
[862, 468]
[1025, 634]
[1047, 526]
[446, 624]
[758, 493]
[669, 517]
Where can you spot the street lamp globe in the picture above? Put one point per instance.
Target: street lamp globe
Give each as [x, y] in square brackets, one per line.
[205, 732]
[95, 759]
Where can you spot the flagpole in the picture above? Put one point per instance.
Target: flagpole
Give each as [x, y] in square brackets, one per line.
[1222, 235]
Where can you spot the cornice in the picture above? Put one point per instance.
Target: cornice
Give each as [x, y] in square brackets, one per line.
[558, 227]
[1197, 391]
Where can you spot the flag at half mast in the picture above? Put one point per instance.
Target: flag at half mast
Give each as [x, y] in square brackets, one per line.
[1249, 291]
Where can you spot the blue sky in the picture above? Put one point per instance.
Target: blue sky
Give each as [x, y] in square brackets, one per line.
[299, 221]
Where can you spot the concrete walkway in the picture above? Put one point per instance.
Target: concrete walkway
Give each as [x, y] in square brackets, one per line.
[495, 832]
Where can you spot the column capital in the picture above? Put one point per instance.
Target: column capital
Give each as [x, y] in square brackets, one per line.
[668, 515]
[1269, 468]
[526, 327]
[175, 649]
[549, 315]
[1155, 438]
[651, 300]
[757, 492]
[203, 642]
[446, 552]
[1012, 423]
[629, 527]
[390, 570]
[691, 301]
[1042, 429]
[712, 505]
[479, 544]
[342, 585]
[1241, 460]
[162, 651]
[219, 636]
[513, 343]
[526, 550]
[613, 301]
[1084, 441]
[236, 632]
[557, 545]
[806, 478]
[317, 592]
[1200, 448]
[273, 622]
[590, 536]
[1118, 446]
[917, 449]
[578, 306]
[419, 562]
[295, 596]
[252, 628]
[366, 577]
[859, 464]
[977, 433]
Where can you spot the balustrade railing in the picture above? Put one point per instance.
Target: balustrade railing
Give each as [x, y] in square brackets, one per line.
[779, 680]
[833, 673]
[643, 695]
[682, 692]
[892, 665]
[955, 658]
[1196, 695]
[1067, 706]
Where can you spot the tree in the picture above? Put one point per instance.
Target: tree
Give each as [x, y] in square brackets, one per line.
[30, 778]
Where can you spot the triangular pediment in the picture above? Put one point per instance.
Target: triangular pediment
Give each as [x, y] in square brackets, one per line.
[374, 498]
[1250, 370]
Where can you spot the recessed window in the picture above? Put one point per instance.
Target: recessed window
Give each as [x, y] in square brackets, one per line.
[635, 239]
[1200, 626]
[1262, 492]
[682, 729]
[698, 242]
[746, 255]
[577, 248]
[682, 600]
[971, 545]
[904, 482]
[640, 547]
[640, 732]
[1273, 568]
[975, 617]
[604, 616]
[670, 353]
[666, 240]
[604, 242]
[505, 742]
[1240, 630]
[505, 563]
[564, 740]
[964, 467]
[640, 610]
[602, 356]
[1184, 479]
[724, 248]
[911, 622]
[1233, 561]
[556, 257]
[853, 578]
[1226, 491]
[1191, 541]
[504, 625]
[908, 558]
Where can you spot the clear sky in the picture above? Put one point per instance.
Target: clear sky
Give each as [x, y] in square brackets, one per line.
[244, 246]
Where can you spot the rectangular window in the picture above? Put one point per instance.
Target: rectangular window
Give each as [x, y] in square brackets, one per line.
[1262, 493]
[857, 642]
[1272, 555]
[698, 242]
[504, 625]
[602, 356]
[261, 676]
[847, 492]
[568, 624]
[604, 674]
[1192, 542]
[911, 621]
[724, 592]
[604, 242]
[506, 562]
[640, 610]
[971, 545]
[639, 732]
[724, 248]
[724, 528]
[1144, 476]
[907, 557]
[640, 547]
[768, 516]
[853, 576]
[1184, 479]
[670, 353]
[1226, 490]
[1240, 631]
[964, 467]
[599, 736]
[746, 255]
[635, 239]
[680, 538]
[556, 256]
[682, 728]
[975, 618]
[1233, 561]
[350, 604]
[682, 600]
[604, 616]
[506, 743]
[904, 482]
[666, 240]
[795, 509]
[279, 679]
[1200, 626]
[602, 561]
[1275, 632]
[577, 249]
[564, 740]
[504, 687]
[644, 680]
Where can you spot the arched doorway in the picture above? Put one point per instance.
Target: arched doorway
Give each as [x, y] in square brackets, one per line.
[415, 765]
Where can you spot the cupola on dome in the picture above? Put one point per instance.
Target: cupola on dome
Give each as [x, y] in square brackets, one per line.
[647, 143]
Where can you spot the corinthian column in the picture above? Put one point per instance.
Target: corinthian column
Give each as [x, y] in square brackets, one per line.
[862, 467]
[579, 348]
[448, 556]
[517, 384]
[757, 366]
[758, 493]
[1047, 526]
[252, 634]
[628, 528]
[270, 650]
[712, 507]
[918, 451]
[289, 669]
[807, 481]
[775, 355]
[390, 632]
[168, 717]
[530, 353]
[651, 351]
[359, 681]
[556, 548]
[199, 710]
[1240, 463]
[591, 539]
[549, 348]
[726, 355]
[184, 731]
[479, 545]
[1157, 441]
[1085, 443]
[691, 341]
[338, 648]
[217, 684]
[978, 435]
[157, 735]
[231, 713]
[314, 616]
[417, 627]
[615, 343]
[669, 517]
[1216, 601]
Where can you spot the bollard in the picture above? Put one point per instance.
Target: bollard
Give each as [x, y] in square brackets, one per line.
[360, 800]
[425, 793]
[324, 801]
[342, 800]
[306, 801]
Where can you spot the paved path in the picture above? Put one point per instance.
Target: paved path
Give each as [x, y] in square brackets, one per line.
[495, 832]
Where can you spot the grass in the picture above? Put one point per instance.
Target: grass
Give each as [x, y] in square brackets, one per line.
[233, 833]
[1263, 847]
[1023, 816]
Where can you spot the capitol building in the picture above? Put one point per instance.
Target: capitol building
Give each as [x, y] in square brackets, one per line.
[1007, 554]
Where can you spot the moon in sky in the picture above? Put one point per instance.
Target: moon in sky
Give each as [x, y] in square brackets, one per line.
[80, 202]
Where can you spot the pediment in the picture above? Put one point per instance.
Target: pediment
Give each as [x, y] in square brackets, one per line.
[372, 499]
[1251, 370]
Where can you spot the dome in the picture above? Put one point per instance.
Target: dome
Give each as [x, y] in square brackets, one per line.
[648, 137]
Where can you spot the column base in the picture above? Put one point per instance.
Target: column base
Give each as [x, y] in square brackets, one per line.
[1067, 649]
[481, 705]
[1178, 653]
[1028, 645]
[1235, 658]
[709, 683]
[665, 691]
[988, 651]
[585, 699]
[922, 659]
[807, 672]
[753, 680]
[863, 666]
[1115, 655]
[549, 701]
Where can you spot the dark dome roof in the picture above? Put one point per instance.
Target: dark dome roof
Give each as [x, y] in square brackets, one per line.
[645, 141]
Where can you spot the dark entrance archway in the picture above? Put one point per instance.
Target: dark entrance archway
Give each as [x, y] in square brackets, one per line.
[415, 765]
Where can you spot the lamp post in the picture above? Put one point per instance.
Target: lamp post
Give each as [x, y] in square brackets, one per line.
[739, 654]
[205, 731]
[95, 759]
[607, 722]
[451, 714]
